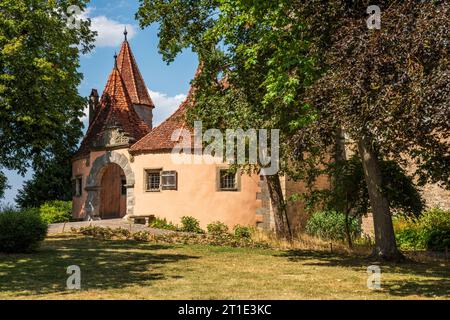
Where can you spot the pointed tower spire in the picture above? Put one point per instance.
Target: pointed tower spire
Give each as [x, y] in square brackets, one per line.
[115, 60]
[125, 33]
[132, 77]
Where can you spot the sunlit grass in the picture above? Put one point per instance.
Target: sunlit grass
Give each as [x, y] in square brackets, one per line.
[132, 270]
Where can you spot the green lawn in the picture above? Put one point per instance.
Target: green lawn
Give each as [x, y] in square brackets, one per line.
[131, 270]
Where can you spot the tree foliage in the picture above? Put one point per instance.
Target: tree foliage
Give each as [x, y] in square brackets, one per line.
[51, 181]
[254, 68]
[40, 108]
[388, 89]
[310, 68]
[349, 192]
[390, 85]
[3, 184]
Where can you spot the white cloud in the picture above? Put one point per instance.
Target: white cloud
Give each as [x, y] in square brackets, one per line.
[85, 118]
[165, 105]
[110, 32]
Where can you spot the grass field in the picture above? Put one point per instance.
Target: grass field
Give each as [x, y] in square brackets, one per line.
[132, 270]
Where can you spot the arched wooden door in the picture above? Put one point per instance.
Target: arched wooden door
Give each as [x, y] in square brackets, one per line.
[113, 193]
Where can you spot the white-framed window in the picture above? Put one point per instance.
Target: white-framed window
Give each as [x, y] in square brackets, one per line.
[153, 180]
[169, 180]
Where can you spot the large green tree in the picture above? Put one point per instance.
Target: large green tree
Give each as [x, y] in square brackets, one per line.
[388, 89]
[40, 108]
[50, 181]
[254, 67]
[314, 68]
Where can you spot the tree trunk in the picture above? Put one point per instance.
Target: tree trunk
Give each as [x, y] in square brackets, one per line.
[339, 152]
[347, 230]
[282, 227]
[339, 156]
[385, 244]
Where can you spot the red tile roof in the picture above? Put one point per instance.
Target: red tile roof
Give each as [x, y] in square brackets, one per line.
[160, 138]
[132, 77]
[115, 110]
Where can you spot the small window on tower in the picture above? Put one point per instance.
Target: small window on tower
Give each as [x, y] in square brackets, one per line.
[78, 186]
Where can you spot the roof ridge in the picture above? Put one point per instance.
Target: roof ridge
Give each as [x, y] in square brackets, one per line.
[127, 46]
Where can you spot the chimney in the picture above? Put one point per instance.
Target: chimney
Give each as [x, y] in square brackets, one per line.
[93, 103]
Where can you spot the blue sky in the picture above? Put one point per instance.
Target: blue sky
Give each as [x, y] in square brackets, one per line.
[168, 84]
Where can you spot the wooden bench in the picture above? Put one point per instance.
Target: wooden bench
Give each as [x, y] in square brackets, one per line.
[147, 218]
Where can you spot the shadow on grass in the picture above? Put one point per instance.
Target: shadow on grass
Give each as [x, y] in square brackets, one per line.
[104, 265]
[434, 282]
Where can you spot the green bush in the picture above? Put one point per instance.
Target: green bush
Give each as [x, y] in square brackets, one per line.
[159, 223]
[217, 228]
[330, 225]
[104, 233]
[431, 231]
[409, 237]
[223, 240]
[141, 236]
[56, 211]
[242, 232]
[21, 231]
[190, 224]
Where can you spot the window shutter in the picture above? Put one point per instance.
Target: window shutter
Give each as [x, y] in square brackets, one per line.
[169, 180]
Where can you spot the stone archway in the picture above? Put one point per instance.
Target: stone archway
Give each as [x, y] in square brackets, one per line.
[93, 184]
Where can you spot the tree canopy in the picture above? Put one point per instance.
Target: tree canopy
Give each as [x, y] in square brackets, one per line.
[391, 85]
[254, 68]
[40, 108]
[313, 68]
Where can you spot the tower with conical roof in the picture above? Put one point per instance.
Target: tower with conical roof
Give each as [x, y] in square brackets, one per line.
[134, 82]
[124, 113]
[114, 120]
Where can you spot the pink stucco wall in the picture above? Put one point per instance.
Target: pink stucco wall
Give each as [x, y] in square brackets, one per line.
[196, 196]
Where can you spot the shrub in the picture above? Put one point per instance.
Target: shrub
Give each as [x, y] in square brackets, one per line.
[21, 231]
[121, 233]
[159, 223]
[431, 231]
[435, 225]
[141, 236]
[56, 211]
[104, 233]
[408, 235]
[330, 225]
[242, 232]
[217, 228]
[222, 240]
[190, 224]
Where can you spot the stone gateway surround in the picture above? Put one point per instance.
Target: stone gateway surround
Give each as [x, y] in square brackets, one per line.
[93, 183]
